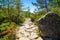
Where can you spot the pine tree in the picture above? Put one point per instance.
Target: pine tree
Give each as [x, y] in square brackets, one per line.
[41, 4]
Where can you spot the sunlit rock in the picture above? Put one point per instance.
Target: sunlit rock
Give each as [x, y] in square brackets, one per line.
[33, 35]
[26, 34]
[24, 38]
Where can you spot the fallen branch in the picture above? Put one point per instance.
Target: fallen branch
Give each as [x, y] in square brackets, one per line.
[9, 30]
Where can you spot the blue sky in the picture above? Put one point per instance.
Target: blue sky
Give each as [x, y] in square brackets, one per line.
[28, 3]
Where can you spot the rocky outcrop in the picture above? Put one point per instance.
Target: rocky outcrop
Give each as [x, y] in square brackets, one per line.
[49, 25]
[27, 31]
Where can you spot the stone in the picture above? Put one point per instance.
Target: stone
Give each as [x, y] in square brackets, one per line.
[49, 25]
[18, 36]
[26, 34]
[27, 26]
[30, 23]
[33, 35]
[29, 30]
[22, 27]
[32, 26]
[24, 38]
[39, 38]
[22, 31]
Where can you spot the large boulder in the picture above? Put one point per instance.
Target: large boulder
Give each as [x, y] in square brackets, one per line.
[49, 25]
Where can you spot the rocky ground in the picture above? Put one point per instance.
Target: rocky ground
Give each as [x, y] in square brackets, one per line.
[27, 31]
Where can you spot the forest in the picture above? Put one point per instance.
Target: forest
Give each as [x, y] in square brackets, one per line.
[12, 14]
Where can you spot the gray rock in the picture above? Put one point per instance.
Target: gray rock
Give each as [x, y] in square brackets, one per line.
[49, 25]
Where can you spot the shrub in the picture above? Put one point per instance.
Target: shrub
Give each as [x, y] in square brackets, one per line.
[36, 16]
[18, 20]
[1, 19]
[56, 10]
[5, 26]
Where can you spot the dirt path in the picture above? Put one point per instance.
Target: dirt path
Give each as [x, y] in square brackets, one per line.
[27, 31]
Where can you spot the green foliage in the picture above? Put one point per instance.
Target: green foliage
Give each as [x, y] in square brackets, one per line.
[32, 16]
[5, 26]
[41, 4]
[54, 3]
[13, 17]
[38, 32]
[10, 15]
[25, 14]
[1, 20]
[6, 37]
[10, 11]
[36, 16]
[56, 10]
[19, 20]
